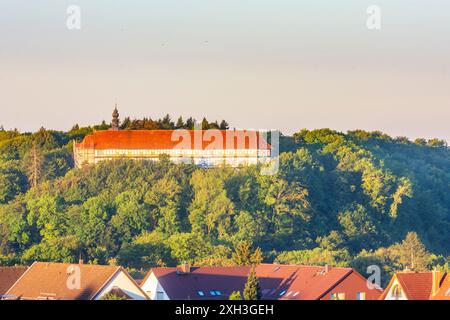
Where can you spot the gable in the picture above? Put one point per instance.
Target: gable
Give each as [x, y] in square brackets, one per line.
[122, 281]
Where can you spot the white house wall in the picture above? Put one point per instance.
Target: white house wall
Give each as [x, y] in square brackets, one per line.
[122, 281]
[152, 286]
[390, 295]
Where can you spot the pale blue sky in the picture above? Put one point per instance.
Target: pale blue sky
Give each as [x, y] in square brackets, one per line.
[257, 63]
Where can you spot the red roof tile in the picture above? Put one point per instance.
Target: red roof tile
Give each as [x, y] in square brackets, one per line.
[49, 280]
[171, 139]
[8, 276]
[415, 285]
[277, 282]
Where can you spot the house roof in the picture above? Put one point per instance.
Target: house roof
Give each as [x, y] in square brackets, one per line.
[444, 290]
[174, 139]
[283, 282]
[415, 285]
[45, 280]
[8, 276]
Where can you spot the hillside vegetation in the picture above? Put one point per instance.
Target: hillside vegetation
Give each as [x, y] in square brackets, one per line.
[342, 199]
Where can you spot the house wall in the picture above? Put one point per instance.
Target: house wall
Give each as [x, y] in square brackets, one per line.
[122, 281]
[390, 296]
[152, 286]
[206, 158]
[351, 285]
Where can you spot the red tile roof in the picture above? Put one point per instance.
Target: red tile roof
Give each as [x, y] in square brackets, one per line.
[186, 286]
[416, 285]
[49, 280]
[171, 139]
[8, 276]
[277, 282]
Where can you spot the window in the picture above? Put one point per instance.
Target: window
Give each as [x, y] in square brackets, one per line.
[218, 293]
[213, 293]
[397, 292]
[282, 293]
[159, 295]
[360, 296]
[337, 296]
[201, 293]
[295, 294]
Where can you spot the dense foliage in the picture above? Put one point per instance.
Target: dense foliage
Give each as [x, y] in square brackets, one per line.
[342, 199]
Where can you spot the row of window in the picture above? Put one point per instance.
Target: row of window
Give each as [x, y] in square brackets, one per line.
[183, 152]
[214, 293]
[341, 296]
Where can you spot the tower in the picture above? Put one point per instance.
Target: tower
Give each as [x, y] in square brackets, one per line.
[115, 119]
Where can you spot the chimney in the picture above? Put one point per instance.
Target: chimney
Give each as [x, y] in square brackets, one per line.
[327, 268]
[185, 267]
[435, 281]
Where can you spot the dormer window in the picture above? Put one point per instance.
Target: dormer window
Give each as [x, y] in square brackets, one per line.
[397, 292]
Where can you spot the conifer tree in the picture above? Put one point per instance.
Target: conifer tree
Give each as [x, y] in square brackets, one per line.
[412, 253]
[35, 164]
[243, 255]
[252, 289]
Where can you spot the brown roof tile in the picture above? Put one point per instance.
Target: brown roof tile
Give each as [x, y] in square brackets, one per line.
[8, 276]
[49, 280]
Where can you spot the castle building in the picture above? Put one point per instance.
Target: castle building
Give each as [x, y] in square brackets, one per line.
[205, 148]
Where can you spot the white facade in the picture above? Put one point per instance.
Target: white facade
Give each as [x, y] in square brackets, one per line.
[153, 288]
[124, 283]
[202, 158]
[396, 292]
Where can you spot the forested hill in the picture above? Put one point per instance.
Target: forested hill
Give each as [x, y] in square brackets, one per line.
[342, 199]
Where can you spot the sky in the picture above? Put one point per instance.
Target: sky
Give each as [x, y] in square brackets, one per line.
[259, 64]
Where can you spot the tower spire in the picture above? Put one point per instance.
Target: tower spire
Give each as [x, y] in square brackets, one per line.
[115, 119]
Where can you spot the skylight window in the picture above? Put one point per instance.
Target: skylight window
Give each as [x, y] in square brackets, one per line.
[282, 292]
[201, 293]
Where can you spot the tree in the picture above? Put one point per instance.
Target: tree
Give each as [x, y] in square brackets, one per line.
[132, 217]
[205, 124]
[180, 123]
[252, 289]
[112, 296]
[146, 251]
[235, 295]
[412, 253]
[224, 125]
[12, 183]
[211, 209]
[35, 165]
[165, 201]
[243, 255]
[190, 123]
